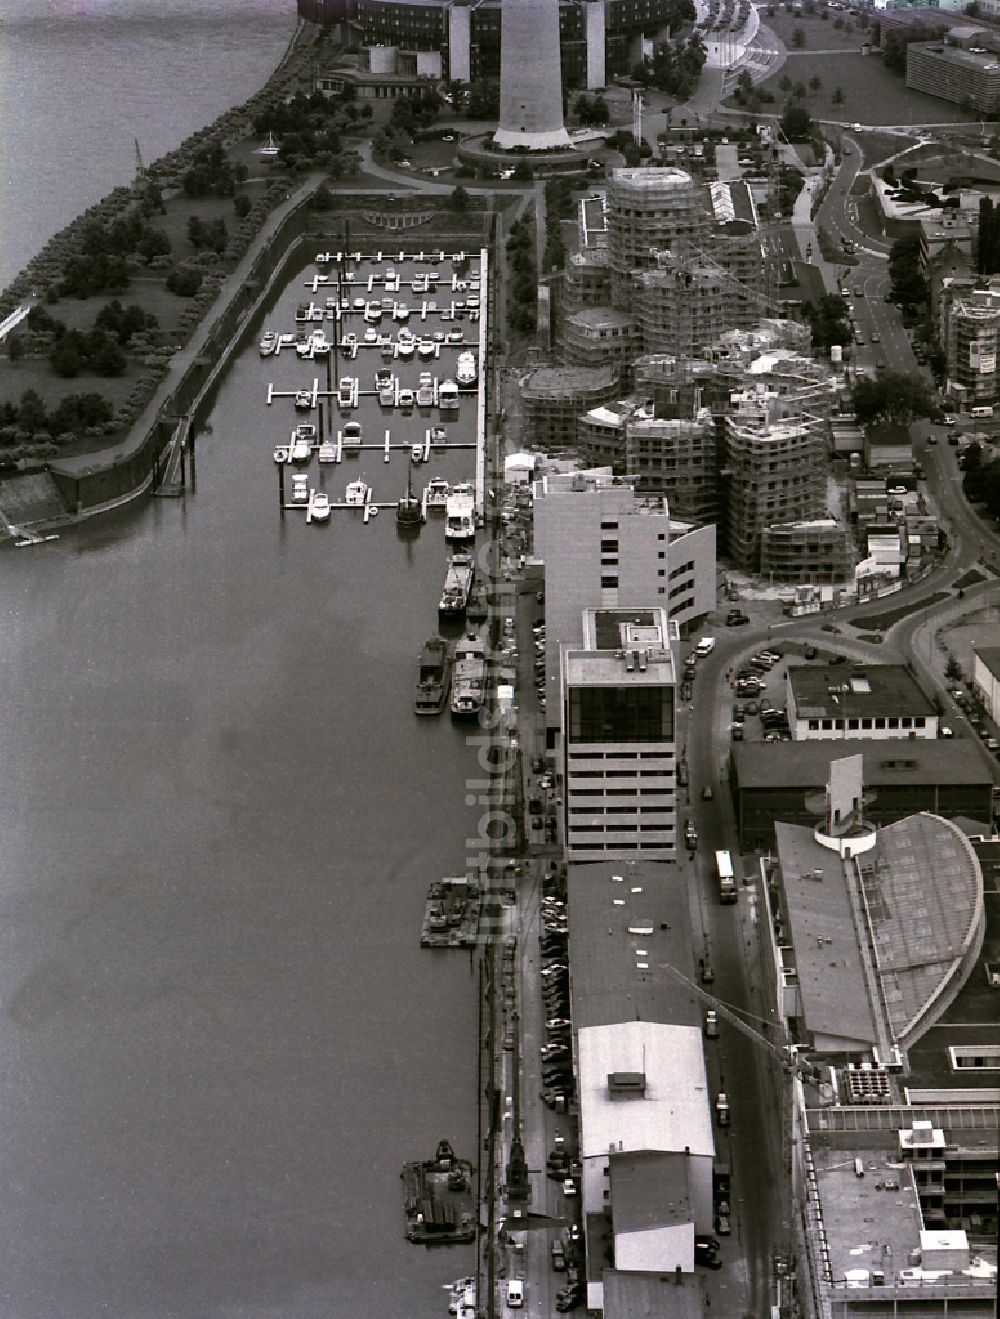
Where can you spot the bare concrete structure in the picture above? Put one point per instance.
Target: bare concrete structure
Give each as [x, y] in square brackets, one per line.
[531, 113]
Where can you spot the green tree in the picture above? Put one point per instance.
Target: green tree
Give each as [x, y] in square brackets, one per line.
[893, 396]
[815, 83]
[798, 38]
[953, 670]
[785, 83]
[796, 122]
[906, 280]
[837, 96]
[458, 199]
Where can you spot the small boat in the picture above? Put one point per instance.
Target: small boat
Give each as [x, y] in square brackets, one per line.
[373, 312]
[408, 512]
[465, 368]
[303, 343]
[319, 509]
[439, 336]
[401, 312]
[406, 400]
[281, 453]
[387, 395]
[386, 350]
[406, 347]
[447, 395]
[425, 392]
[268, 343]
[391, 279]
[303, 312]
[351, 434]
[371, 338]
[300, 488]
[320, 343]
[434, 678]
[360, 304]
[358, 493]
[327, 452]
[349, 344]
[270, 147]
[301, 450]
[436, 493]
[426, 348]
[345, 392]
[383, 378]
[304, 399]
[438, 435]
[305, 430]
[455, 336]
[417, 453]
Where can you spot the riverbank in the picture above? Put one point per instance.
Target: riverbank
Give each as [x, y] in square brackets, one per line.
[132, 230]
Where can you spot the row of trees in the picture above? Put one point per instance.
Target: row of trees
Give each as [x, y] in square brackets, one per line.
[558, 207]
[29, 419]
[893, 396]
[522, 284]
[97, 351]
[212, 174]
[675, 66]
[100, 263]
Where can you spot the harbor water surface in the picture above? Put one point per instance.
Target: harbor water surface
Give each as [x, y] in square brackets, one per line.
[219, 815]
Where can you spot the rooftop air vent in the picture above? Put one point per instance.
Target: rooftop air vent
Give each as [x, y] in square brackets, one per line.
[628, 1084]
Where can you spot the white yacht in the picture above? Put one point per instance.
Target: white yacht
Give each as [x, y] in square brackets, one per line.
[320, 507]
[358, 492]
[465, 368]
[268, 343]
[447, 395]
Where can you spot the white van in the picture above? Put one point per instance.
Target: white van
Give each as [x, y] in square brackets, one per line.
[515, 1293]
[981, 412]
[705, 647]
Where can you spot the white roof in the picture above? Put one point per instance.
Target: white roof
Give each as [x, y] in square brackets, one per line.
[522, 459]
[675, 1112]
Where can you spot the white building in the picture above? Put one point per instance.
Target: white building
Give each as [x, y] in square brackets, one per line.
[876, 701]
[986, 678]
[646, 1143]
[619, 738]
[604, 545]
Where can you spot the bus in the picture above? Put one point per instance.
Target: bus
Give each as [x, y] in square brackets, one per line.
[727, 879]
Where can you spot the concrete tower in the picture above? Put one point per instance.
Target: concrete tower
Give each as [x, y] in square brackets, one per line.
[531, 113]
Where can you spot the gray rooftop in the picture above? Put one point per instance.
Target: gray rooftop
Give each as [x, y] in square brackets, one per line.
[872, 689]
[615, 909]
[900, 761]
[638, 1182]
[990, 657]
[652, 1295]
[830, 973]
[923, 894]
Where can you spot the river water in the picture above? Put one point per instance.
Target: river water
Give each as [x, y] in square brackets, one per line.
[220, 1037]
[80, 80]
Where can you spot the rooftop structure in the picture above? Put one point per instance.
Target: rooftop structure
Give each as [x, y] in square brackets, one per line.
[986, 678]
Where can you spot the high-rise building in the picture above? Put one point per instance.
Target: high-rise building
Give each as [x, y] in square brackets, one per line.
[649, 209]
[618, 696]
[972, 337]
[774, 469]
[531, 110]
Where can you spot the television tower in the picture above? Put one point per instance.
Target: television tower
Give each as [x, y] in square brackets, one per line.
[531, 112]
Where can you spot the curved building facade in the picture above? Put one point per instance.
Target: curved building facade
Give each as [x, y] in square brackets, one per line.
[598, 39]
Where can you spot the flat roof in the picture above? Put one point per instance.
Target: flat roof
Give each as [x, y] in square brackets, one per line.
[831, 976]
[545, 379]
[651, 176]
[990, 657]
[638, 1185]
[901, 761]
[837, 690]
[674, 1112]
[599, 317]
[987, 62]
[628, 920]
[923, 893]
[861, 1221]
[652, 1295]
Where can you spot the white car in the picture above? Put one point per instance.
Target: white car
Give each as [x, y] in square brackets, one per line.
[569, 1187]
[897, 490]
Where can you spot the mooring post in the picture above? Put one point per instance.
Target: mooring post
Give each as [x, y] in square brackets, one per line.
[281, 488]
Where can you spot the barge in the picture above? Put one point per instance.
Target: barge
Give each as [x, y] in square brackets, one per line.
[468, 687]
[451, 917]
[434, 679]
[457, 584]
[439, 1199]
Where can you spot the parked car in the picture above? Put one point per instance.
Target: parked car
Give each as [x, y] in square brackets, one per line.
[706, 792]
[712, 1024]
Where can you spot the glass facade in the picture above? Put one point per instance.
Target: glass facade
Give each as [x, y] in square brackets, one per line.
[621, 714]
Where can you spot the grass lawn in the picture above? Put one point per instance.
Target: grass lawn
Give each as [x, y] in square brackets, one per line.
[872, 93]
[879, 622]
[820, 34]
[35, 373]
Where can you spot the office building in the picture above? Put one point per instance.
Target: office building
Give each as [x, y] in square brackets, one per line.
[961, 68]
[617, 693]
[604, 544]
[879, 702]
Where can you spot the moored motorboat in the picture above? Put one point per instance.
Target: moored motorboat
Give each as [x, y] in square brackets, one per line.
[346, 392]
[461, 513]
[465, 368]
[425, 390]
[351, 434]
[406, 345]
[358, 492]
[426, 347]
[327, 452]
[436, 493]
[406, 400]
[319, 509]
[304, 399]
[447, 395]
[268, 343]
[417, 453]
